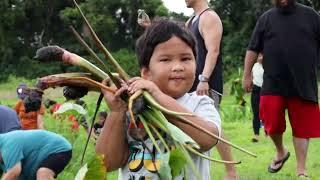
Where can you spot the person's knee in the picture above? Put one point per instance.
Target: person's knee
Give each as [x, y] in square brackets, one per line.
[45, 174]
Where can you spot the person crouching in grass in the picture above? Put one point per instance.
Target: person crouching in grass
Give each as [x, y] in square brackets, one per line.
[33, 154]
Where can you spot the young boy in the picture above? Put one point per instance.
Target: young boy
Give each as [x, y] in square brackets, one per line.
[166, 53]
[33, 154]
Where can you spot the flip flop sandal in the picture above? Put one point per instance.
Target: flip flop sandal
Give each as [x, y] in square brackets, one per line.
[303, 176]
[281, 162]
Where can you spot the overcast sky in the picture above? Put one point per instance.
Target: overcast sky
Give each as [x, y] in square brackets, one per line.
[178, 6]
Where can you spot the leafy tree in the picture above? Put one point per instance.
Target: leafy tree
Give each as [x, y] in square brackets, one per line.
[26, 26]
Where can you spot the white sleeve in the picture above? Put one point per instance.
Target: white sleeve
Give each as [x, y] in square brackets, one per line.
[206, 110]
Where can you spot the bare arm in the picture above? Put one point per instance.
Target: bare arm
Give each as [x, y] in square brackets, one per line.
[211, 29]
[205, 141]
[13, 173]
[112, 142]
[250, 58]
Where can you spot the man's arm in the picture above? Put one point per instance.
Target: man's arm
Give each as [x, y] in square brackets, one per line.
[13, 173]
[211, 29]
[250, 58]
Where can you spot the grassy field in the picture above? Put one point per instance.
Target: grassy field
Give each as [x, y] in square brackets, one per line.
[236, 125]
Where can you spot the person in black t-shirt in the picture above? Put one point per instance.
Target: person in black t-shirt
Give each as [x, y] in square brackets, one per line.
[289, 37]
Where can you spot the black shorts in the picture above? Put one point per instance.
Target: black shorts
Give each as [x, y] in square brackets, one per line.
[57, 161]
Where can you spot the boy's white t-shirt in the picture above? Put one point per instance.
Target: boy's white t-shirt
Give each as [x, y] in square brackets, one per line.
[139, 155]
[257, 73]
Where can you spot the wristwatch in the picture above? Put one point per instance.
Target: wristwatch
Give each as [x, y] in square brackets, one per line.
[203, 78]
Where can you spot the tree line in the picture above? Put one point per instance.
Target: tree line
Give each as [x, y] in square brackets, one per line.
[27, 25]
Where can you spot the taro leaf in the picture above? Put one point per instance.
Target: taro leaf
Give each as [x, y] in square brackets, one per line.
[70, 108]
[165, 170]
[177, 161]
[82, 172]
[178, 135]
[96, 169]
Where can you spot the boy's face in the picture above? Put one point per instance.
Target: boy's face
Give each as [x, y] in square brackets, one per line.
[172, 67]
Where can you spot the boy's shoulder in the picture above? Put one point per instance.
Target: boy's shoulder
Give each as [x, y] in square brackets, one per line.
[192, 100]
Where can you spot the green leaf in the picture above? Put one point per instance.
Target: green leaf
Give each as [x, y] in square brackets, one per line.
[178, 135]
[165, 170]
[82, 172]
[177, 161]
[70, 108]
[96, 169]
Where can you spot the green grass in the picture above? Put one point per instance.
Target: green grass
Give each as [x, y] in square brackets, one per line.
[236, 125]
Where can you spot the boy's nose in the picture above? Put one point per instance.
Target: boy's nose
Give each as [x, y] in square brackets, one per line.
[177, 67]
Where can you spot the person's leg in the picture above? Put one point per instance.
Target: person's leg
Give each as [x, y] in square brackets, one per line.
[224, 150]
[305, 122]
[272, 113]
[301, 149]
[45, 174]
[50, 167]
[281, 151]
[255, 101]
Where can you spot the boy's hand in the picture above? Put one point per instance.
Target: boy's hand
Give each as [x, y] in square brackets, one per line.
[115, 103]
[137, 83]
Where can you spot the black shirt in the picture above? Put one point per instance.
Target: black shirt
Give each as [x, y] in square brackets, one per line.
[290, 42]
[215, 80]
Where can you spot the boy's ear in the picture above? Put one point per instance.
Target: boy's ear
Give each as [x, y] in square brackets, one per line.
[145, 73]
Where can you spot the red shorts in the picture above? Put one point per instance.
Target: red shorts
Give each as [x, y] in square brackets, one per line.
[304, 116]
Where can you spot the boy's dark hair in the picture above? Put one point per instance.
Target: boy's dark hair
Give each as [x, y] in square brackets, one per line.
[160, 31]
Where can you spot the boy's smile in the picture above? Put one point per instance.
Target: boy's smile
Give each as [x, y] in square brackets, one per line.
[172, 67]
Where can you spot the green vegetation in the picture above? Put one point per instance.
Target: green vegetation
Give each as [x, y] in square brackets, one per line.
[237, 127]
[27, 25]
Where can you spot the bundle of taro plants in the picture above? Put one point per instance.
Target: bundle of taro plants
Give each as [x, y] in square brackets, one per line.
[141, 105]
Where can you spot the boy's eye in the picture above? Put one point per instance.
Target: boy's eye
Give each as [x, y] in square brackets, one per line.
[164, 60]
[186, 59]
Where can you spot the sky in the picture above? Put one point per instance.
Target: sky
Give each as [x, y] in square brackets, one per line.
[178, 6]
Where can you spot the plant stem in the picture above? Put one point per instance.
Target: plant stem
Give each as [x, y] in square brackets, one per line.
[96, 57]
[107, 54]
